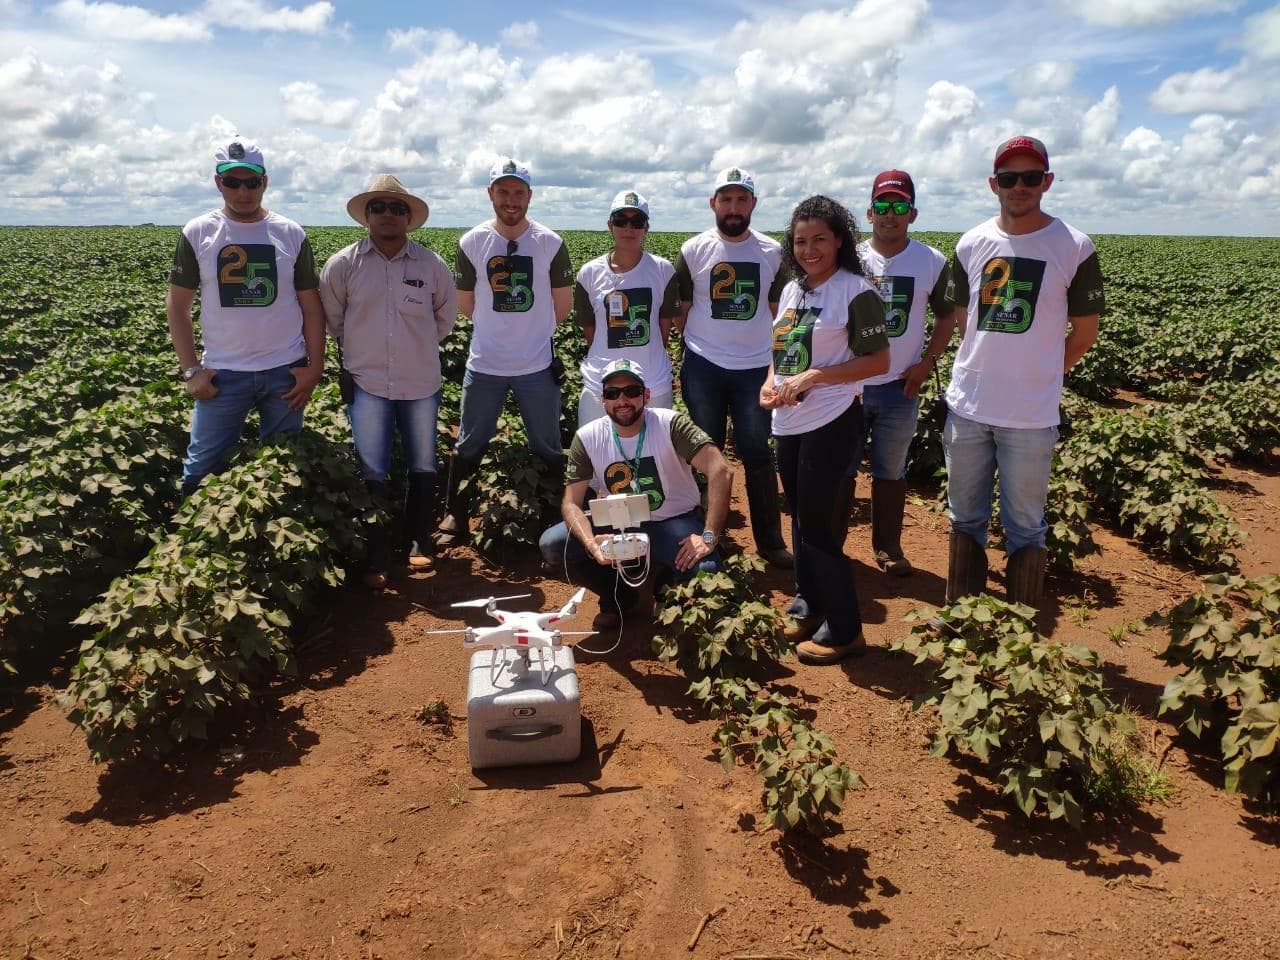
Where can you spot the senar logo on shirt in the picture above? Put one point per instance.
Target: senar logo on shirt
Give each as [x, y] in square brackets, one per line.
[510, 280]
[621, 477]
[247, 275]
[1010, 289]
[793, 340]
[735, 290]
[628, 317]
[896, 292]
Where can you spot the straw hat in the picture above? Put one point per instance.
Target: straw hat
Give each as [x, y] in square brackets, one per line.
[386, 187]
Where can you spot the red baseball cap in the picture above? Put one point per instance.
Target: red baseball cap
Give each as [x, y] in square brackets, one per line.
[1021, 146]
[896, 182]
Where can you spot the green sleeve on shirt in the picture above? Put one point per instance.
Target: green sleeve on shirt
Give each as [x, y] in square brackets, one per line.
[464, 271]
[305, 276]
[670, 300]
[561, 268]
[577, 465]
[942, 296]
[687, 437]
[866, 324]
[1084, 296]
[582, 309]
[959, 283]
[684, 279]
[779, 283]
[186, 269]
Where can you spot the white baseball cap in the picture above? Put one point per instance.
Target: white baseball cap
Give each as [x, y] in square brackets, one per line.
[239, 153]
[620, 366]
[629, 200]
[507, 167]
[735, 177]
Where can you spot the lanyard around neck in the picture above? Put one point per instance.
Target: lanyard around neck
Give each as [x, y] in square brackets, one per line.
[633, 463]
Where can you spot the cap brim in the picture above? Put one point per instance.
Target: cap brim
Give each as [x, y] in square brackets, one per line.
[621, 373]
[240, 165]
[893, 192]
[1021, 152]
[418, 209]
[511, 176]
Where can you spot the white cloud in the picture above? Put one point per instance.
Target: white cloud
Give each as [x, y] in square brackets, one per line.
[305, 102]
[1145, 13]
[1261, 35]
[1230, 91]
[315, 18]
[120, 22]
[524, 34]
[1039, 79]
[947, 107]
[1098, 125]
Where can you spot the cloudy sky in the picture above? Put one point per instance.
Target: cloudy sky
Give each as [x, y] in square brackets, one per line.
[1161, 116]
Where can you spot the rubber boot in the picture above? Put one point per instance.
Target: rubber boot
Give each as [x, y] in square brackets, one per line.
[888, 500]
[842, 509]
[766, 518]
[418, 500]
[551, 505]
[454, 528]
[1024, 576]
[966, 567]
[377, 540]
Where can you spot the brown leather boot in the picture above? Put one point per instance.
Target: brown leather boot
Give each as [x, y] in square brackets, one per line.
[966, 567]
[1024, 576]
[888, 500]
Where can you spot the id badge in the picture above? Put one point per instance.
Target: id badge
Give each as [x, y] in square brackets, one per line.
[615, 303]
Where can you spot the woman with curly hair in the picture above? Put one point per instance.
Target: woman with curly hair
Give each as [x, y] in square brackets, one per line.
[829, 335]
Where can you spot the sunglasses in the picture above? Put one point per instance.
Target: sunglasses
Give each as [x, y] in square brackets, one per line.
[398, 207]
[632, 391]
[639, 220]
[899, 208]
[1029, 178]
[235, 183]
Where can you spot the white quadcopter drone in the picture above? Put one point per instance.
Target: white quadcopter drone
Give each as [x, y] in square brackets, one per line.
[520, 630]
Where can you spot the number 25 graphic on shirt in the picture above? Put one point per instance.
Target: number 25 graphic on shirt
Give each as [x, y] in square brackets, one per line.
[735, 290]
[627, 317]
[896, 292]
[510, 279]
[619, 477]
[793, 341]
[247, 275]
[1010, 289]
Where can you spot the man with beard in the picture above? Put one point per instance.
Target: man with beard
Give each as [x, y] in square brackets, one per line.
[638, 449]
[388, 302]
[260, 315]
[729, 279]
[1033, 287]
[528, 289]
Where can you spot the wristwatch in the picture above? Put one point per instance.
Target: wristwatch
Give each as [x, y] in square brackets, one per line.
[709, 538]
[190, 372]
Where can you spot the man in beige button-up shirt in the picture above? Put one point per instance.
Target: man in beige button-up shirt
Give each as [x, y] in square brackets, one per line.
[389, 301]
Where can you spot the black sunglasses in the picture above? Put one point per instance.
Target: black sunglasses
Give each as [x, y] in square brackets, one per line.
[1029, 178]
[235, 183]
[639, 220]
[631, 391]
[900, 208]
[398, 207]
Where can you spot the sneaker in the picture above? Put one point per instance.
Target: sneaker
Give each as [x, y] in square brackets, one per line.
[419, 559]
[822, 654]
[779, 557]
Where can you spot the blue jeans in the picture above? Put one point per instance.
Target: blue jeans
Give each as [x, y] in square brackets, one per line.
[537, 396]
[713, 394]
[1023, 457]
[374, 423]
[565, 555]
[216, 424]
[889, 423]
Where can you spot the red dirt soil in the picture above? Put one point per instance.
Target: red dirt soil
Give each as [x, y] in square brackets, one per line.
[335, 824]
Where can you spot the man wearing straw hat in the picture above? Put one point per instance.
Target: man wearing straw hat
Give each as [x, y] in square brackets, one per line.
[388, 302]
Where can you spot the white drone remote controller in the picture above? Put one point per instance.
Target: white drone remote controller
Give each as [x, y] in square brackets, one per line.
[624, 512]
[622, 547]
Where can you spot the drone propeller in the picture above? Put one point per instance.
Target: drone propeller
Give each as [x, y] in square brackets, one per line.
[454, 630]
[485, 601]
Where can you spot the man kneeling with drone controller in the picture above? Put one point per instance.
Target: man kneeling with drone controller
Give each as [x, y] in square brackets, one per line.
[636, 450]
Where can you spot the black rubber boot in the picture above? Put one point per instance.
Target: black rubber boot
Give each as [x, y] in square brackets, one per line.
[966, 567]
[1024, 576]
[419, 499]
[551, 506]
[842, 509]
[454, 528]
[378, 540]
[766, 518]
[888, 500]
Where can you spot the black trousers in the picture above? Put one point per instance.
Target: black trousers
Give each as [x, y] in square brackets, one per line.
[811, 466]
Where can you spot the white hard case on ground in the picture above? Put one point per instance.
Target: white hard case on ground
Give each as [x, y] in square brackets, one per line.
[516, 721]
